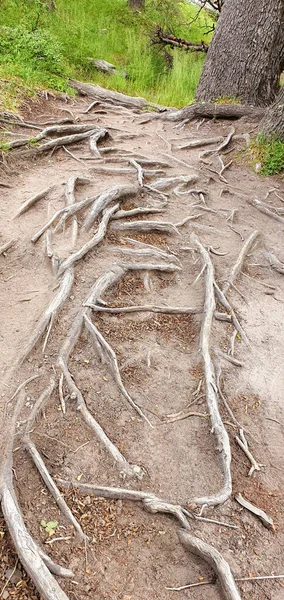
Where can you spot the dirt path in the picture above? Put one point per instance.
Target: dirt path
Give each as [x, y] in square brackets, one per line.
[134, 555]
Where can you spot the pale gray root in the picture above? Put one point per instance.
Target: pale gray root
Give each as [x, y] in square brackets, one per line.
[167, 182]
[101, 285]
[52, 487]
[258, 512]
[150, 502]
[70, 200]
[50, 313]
[180, 162]
[274, 262]
[215, 560]
[34, 560]
[111, 97]
[201, 142]
[141, 210]
[64, 213]
[113, 364]
[140, 174]
[31, 201]
[242, 443]
[98, 135]
[49, 251]
[54, 129]
[145, 226]
[6, 246]
[226, 304]
[39, 463]
[97, 238]
[238, 266]
[187, 219]
[151, 267]
[171, 310]
[264, 209]
[223, 145]
[222, 439]
[124, 467]
[228, 408]
[103, 200]
[61, 394]
[219, 316]
[61, 141]
[159, 253]
[228, 357]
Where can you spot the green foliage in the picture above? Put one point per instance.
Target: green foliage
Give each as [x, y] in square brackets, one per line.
[269, 154]
[45, 47]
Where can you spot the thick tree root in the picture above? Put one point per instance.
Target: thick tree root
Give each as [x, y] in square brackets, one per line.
[50, 313]
[215, 559]
[238, 266]
[222, 439]
[103, 200]
[208, 110]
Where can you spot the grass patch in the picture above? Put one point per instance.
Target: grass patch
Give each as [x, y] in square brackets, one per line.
[42, 48]
[269, 154]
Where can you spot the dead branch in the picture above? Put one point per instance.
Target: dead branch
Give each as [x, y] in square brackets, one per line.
[274, 262]
[103, 200]
[111, 97]
[238, 266]
[51, 311]
[92, 243]
[212, 581]
[258, 512]
[242, 442]
[216, 561]
[7, 246]
[31, 201]
[222, 439]
[145, 226]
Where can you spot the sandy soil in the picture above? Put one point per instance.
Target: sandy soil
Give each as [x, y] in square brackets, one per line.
[134, 555]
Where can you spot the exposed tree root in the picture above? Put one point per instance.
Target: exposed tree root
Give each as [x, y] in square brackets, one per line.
[172, 310]
[145, 226]
[99, 135]
[274, 262]
[215, 559]
[201, 142]
[51, 311]
[116, 98]
[103, 200]
[140, 210]
[91, 244]
[7, 246]
[222, 439]
[264, 209]
[258, 512]
[70, 200]
[31, 201]
[209, 110]
[242, 442]
[238, 266]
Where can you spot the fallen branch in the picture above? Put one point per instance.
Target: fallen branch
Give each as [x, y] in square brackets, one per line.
[216, 561]
[222, 439]
[172, 310]
[103, 200]
[91, 244]
[238, 266]
[258, 512]
[111, 97]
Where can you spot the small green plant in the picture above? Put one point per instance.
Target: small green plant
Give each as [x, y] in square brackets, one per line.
[269, 154]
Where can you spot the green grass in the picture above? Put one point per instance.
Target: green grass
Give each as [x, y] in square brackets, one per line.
[42, 49]
[269, 154]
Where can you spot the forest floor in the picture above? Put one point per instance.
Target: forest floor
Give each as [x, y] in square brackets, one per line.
[134, 555]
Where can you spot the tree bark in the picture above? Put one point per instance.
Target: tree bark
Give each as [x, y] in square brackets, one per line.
[272, 125]
[136, 4]
[246, 56]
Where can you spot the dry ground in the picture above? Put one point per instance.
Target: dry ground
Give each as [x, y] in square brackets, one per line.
[134, 555]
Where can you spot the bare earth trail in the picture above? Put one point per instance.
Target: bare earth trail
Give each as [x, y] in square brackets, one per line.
[133, 554]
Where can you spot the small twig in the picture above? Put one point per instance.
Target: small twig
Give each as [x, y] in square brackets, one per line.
[9, 578]
[242, 442]
[61, 395]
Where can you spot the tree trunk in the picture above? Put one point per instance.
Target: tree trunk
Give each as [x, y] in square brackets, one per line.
[246, 56]
[136, 4]
[272, 124]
